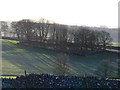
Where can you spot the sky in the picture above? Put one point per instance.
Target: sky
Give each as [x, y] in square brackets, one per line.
[70, 12]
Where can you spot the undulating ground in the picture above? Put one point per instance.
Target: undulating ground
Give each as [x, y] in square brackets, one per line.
[16, 59]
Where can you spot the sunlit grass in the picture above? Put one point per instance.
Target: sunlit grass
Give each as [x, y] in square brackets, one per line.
[113, 79]
[8, 77]
[19, 50]
[11, 41]
[116, 44]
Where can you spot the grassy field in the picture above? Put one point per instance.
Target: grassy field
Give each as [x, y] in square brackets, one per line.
[16, 59]
[116, 44]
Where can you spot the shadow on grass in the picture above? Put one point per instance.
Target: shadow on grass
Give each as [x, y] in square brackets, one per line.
[38, 60]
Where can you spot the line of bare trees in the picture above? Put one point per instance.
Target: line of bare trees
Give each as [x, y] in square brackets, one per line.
[63, 37]
[58, 36]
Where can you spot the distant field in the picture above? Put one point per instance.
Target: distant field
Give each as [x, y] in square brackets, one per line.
[115, 44]
[16, 59]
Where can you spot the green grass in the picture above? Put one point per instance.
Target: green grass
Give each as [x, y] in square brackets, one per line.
[9, 77]
[16, 59]
[116, 44]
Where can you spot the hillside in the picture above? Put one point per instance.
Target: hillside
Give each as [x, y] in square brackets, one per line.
[16, 59]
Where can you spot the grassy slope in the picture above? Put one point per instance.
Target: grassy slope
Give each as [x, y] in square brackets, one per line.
[16, 59]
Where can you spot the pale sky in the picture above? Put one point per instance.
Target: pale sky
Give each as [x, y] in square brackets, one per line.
[71, 12]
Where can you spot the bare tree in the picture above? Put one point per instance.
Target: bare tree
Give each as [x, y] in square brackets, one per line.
[61, 67]
[4, 28]
[105, 38]
[105, 69]
[15, 26]
[97, 41]
[61, 37]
